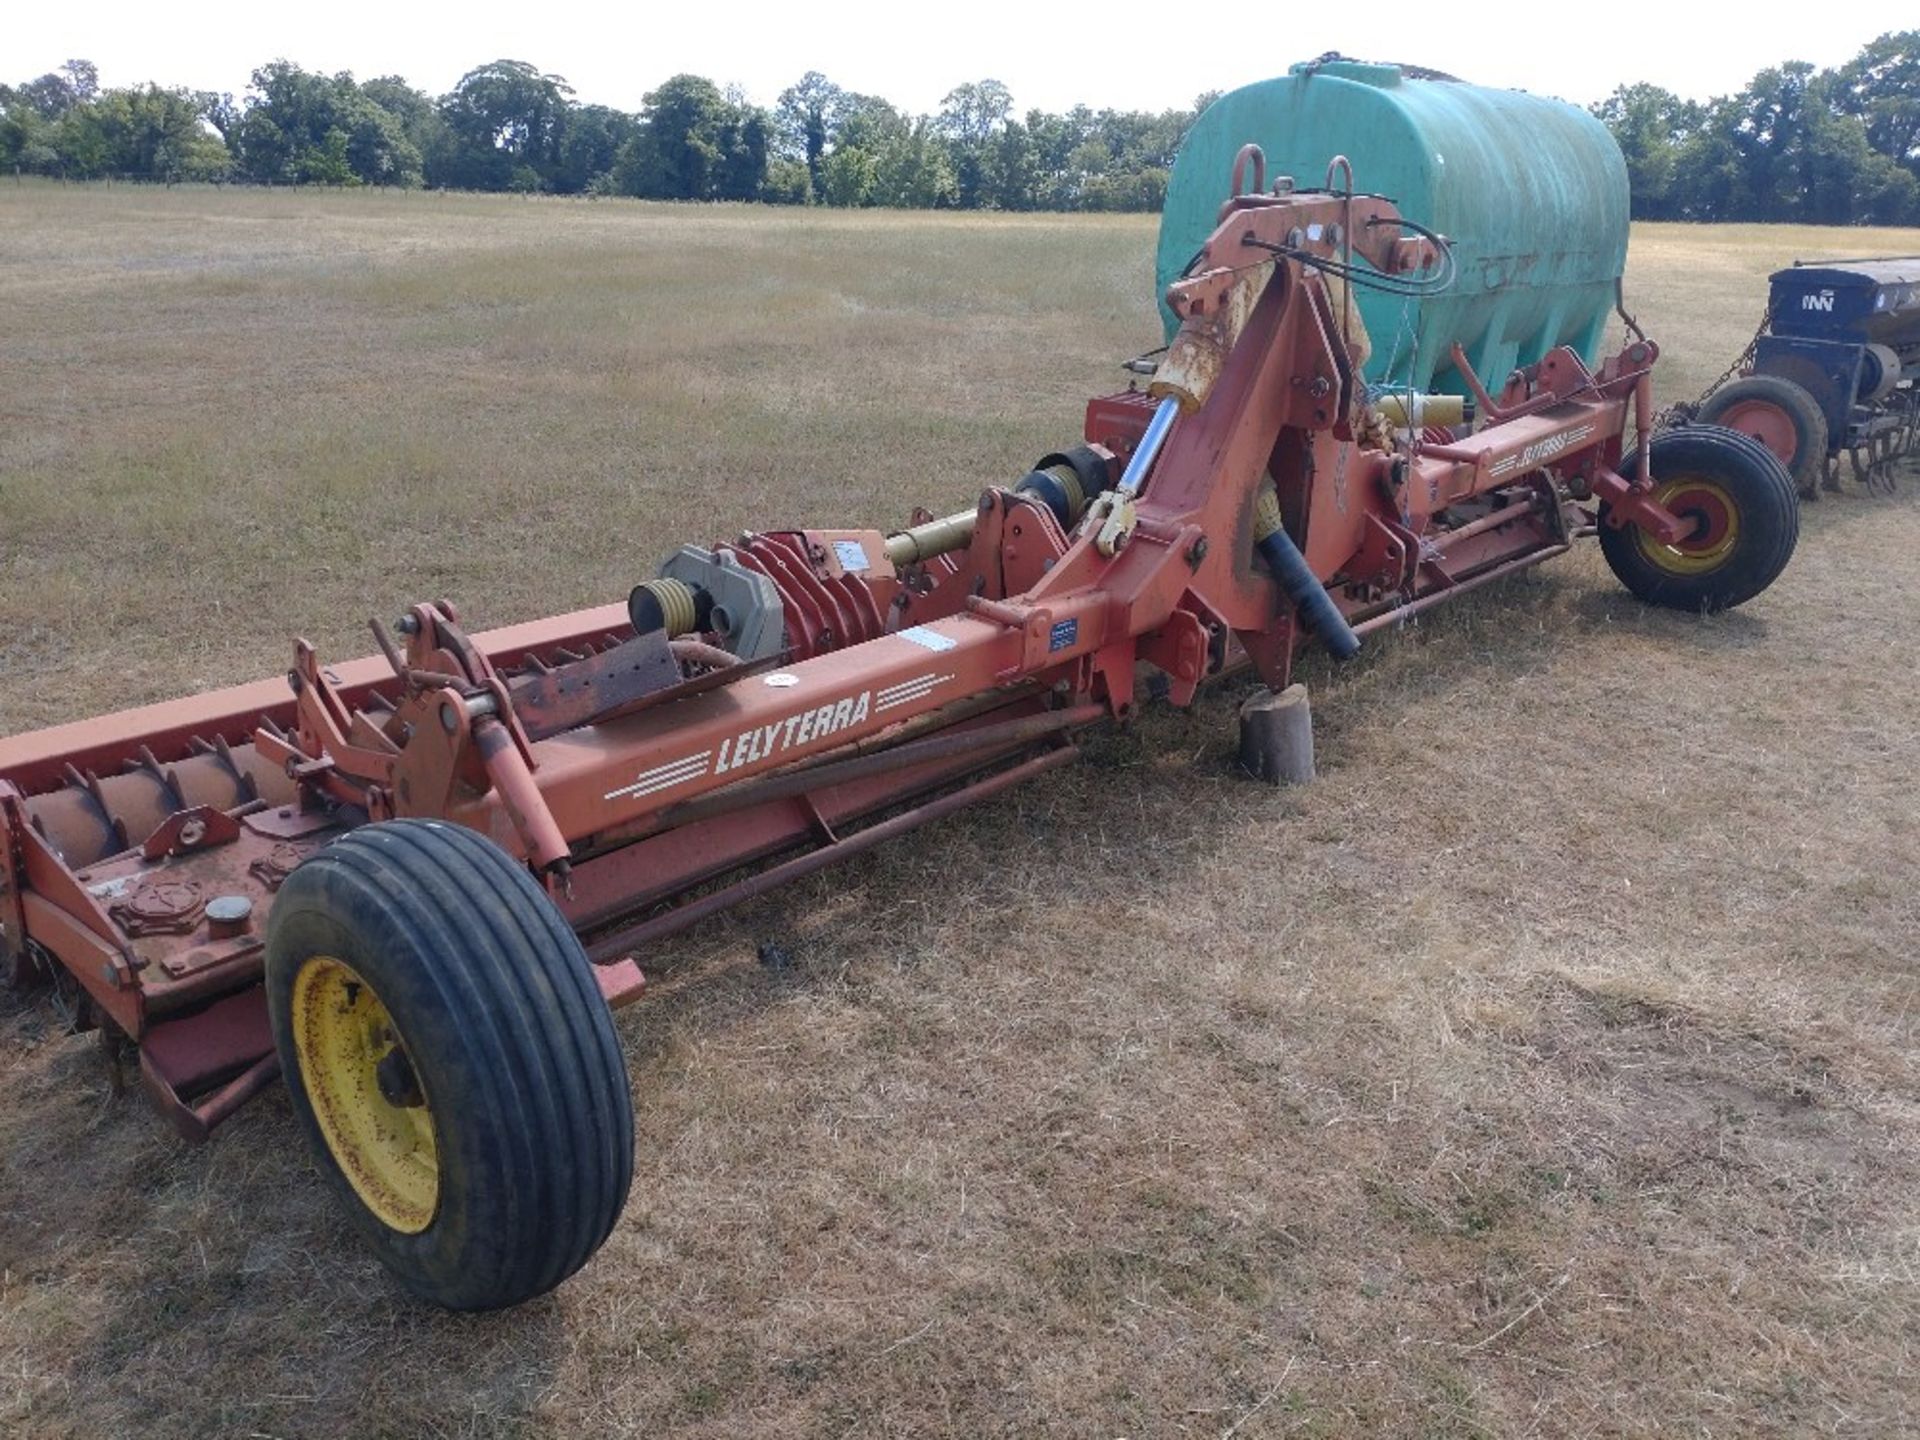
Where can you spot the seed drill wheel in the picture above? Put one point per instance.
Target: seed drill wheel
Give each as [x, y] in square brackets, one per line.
[1745, 522]
[1783, 417]
[451, 1060]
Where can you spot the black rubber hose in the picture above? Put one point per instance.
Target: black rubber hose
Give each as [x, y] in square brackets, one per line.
[1303, 587]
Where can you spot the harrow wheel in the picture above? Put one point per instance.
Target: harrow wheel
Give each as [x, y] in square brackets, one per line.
[1783, 417]
[1746, 522]
[450, 1060]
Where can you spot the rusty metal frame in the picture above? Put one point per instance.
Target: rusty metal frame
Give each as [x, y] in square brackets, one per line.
[643, 780]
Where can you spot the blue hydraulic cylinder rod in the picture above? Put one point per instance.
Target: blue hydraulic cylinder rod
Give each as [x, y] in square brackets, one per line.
[1149, 450]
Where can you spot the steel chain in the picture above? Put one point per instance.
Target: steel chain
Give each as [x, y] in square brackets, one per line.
[1682, 412]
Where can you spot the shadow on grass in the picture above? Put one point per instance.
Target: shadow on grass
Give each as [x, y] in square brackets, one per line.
[166, 1275]
[154, 1282]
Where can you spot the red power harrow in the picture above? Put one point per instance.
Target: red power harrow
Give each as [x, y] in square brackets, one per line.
[416, 885]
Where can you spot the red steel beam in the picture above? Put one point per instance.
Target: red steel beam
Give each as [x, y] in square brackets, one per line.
[34, 761]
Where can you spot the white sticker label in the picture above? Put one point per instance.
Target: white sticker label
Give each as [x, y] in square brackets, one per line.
[851, 554]
[928, 639]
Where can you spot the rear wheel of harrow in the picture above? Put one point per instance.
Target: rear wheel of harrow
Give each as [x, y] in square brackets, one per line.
[451, 1061]
[1745, 518]
[1782, 416]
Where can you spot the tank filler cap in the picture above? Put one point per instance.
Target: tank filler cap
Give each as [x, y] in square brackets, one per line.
[1341, 67]
[1386, 74]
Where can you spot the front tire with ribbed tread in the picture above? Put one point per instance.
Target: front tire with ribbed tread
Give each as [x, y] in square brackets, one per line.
[1747, 521]
[490, 1018]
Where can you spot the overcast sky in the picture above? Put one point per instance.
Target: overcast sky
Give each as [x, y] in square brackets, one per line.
[1052, 55]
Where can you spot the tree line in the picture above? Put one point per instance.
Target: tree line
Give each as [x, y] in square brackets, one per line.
[1816, 147]
[1825, 147]
[509, 126]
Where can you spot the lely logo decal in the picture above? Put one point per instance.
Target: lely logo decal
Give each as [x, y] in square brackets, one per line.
[802, 729]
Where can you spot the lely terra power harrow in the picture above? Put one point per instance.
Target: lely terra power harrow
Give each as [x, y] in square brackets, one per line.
[416, 886]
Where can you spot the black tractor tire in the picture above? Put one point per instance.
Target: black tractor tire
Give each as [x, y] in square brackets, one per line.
[1748, 521]
[444, 1040]
[1780, 415]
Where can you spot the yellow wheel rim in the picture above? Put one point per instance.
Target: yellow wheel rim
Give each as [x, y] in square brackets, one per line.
[1716, 530]
[347, 1047]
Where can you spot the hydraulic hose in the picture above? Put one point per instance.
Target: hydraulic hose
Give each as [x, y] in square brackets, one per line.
[1299, 582]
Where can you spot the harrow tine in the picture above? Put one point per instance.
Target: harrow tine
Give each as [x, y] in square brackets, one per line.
[223, 752]
[87, 784]
[168, 783]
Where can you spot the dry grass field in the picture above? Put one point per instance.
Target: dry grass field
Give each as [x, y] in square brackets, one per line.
[1549, 1068]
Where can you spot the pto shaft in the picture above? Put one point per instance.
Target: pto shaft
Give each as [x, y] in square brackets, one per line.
[1063, 482]
[920, 543]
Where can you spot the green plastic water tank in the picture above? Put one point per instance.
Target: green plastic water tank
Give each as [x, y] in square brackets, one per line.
[1532, 192]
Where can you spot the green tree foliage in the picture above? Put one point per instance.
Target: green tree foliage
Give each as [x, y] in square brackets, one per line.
[746, 164]
[970, 118]
[301, 127]
[866, 132]
[54, 94]
[695, 143]
[1829, 147]
[1014, 170]
[22, 143]
[505, 119]
[1881, 85]
[881, 157]
[1652, 126]
[787, 182]
[915, 171]
[589, 147]
[31, 115]
[64, 124]
[850, 174]
[1838, 147]
[805, 118]
[418, 116]
[151, 134]
[1112, 160]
